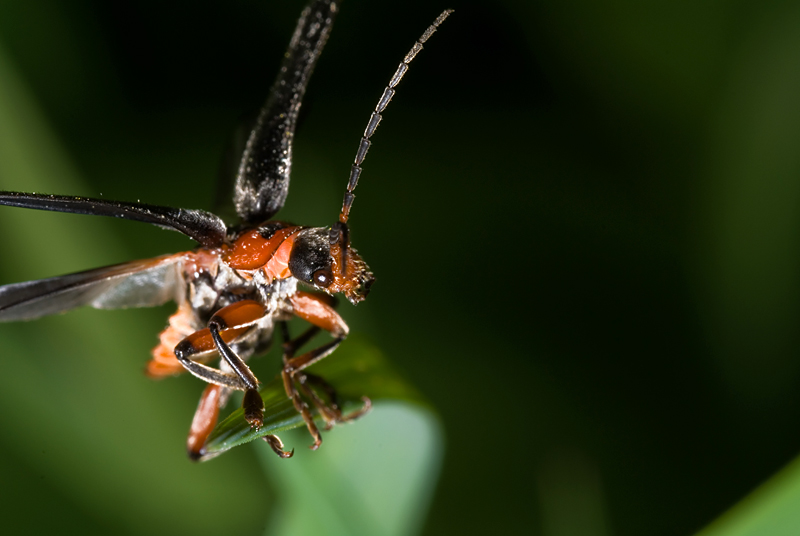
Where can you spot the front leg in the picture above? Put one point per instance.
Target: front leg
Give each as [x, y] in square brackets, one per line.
[318, 310]
[291, 373]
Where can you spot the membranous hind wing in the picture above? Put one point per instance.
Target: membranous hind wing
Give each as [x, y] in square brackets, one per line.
[262, 180]
[144, 283]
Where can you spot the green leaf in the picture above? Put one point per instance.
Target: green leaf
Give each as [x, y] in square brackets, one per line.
[372, 478]
[357, 369]
[771, 509]
[91, 422]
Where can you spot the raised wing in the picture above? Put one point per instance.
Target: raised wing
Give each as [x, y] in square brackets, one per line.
[209, 230]
[144, 283]
[262, 181]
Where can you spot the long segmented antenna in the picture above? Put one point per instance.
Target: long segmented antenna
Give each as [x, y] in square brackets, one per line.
[375, 118]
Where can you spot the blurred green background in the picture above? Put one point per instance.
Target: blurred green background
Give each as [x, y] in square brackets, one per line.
[584, 218]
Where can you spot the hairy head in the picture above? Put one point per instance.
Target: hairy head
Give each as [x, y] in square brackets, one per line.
[314, 260]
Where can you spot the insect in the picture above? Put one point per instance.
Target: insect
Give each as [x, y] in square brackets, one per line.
[242, 282]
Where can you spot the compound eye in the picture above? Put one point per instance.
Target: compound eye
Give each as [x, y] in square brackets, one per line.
[323, 277]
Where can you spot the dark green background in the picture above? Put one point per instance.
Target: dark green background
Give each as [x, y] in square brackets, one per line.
[584, 219]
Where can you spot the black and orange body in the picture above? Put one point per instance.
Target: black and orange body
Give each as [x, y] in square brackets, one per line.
[243, 281]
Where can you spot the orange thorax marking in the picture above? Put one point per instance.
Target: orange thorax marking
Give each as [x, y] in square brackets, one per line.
[278, 266]
[252, 251]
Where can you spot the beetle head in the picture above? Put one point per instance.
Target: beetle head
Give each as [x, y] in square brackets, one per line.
[330, 266]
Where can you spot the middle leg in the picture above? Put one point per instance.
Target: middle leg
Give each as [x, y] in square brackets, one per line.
[226, 326]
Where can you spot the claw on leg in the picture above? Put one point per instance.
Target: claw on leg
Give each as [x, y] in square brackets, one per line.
[359, 412]
[277, 446]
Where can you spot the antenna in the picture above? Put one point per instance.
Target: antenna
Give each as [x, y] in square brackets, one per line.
[375, 118]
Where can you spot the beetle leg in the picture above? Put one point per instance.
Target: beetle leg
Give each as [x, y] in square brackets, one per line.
[291, 368]
[319, 311]
[252, 403]
[330, 411]
[205, 418]
[202, 341]
[277, 445]
[225, 326]
[290, 347]
[234, 361]
[330, 390]
[320, 383]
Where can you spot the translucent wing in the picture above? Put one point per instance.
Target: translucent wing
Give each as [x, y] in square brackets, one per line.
[262, 180]
[143, 283]
[208, 229]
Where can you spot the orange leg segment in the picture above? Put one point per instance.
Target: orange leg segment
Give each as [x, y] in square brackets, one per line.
[317, 310]
[227, 325]
[205, 419]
